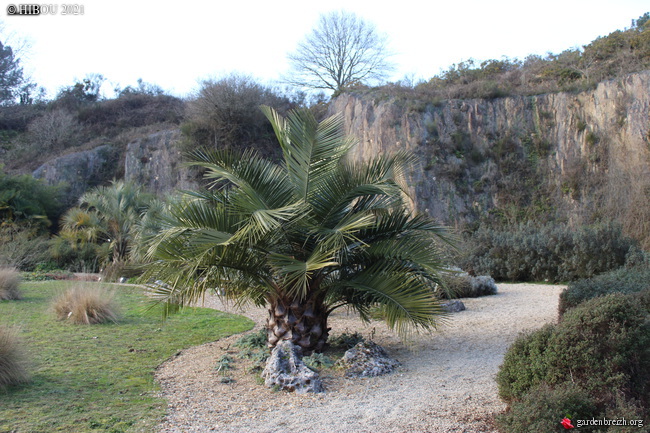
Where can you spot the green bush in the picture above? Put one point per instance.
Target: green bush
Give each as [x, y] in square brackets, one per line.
[548, 253]
[604, 344]
[13, 369]
[9, 282]
[542, 410]
[525, 364]
[602, 347]
[28, 201]
[619, 281]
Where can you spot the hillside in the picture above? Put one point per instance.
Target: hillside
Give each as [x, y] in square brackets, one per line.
[560, 139]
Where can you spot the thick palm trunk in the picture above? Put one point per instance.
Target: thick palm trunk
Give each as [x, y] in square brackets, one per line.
[303, 323]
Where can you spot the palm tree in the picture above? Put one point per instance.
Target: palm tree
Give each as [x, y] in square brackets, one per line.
[108, 214]
[304, 237]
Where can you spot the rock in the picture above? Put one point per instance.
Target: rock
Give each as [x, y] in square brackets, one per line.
[453, 306]
[285, 369]
[367, 359]
[79, 171]
[155, 162]
[484, 285]
[616, 111]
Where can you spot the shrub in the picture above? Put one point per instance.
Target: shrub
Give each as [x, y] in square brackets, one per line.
[525, 364]
[462, 285]
[605, 345]
[619, 281]
[9, 282]
[542, 409]
[601, 346]
[227, 110]
[22, 247]
[86, 305]
[550, 252]
[13, 370]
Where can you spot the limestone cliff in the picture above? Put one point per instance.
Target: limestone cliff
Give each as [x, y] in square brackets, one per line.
[79, 171]
[155, 163]
[570, 152]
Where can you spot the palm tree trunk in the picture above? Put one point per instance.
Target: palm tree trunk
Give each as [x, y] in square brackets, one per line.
[304, 323]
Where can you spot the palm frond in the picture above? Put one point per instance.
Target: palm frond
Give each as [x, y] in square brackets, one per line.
[296, 275]
[405, 300]
[311, 150]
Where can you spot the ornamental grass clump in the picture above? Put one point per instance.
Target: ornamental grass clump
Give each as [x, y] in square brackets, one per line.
[9, 282]
[13, 370]
[85, 305]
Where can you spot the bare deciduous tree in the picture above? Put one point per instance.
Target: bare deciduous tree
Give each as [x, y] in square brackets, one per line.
[343, 49]
[54, 130]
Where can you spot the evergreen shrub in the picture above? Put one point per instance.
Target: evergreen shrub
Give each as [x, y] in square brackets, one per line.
[548, 253]
[621, 280]
[594, 363]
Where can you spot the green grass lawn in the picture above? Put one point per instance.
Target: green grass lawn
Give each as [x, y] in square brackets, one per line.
[98, 378]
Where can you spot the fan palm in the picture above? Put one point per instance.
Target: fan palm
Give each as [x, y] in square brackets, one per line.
[304, 237]
[107, 214]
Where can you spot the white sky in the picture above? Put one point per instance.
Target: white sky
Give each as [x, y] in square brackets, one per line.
[176, 44]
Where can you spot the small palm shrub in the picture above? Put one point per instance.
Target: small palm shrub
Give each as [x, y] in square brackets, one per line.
[85, 305]
[599, 353]
[9, 284]
[13, 370]
[621, 280]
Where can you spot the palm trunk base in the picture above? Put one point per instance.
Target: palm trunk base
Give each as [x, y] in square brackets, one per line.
[302, 323]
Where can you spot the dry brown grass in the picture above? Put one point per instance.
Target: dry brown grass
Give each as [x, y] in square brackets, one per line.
[9, 284]
[86, 305]
[13, 369]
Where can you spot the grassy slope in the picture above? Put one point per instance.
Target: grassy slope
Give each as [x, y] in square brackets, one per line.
[99, 377]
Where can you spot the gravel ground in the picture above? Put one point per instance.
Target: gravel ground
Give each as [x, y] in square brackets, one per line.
[445, 382]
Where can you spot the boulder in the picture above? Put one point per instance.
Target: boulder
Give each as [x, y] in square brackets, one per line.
[453, 306]
[285, 370]
[367, 359]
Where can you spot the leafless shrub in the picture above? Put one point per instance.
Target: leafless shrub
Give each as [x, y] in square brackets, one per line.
[54, 130]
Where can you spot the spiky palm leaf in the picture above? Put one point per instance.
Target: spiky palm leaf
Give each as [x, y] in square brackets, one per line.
[108, 215]
[304, 237]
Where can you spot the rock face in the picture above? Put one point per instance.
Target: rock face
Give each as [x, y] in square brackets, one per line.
[79, 171]
[367, 359]
[155, 162]
[469, 149]
[285, 369]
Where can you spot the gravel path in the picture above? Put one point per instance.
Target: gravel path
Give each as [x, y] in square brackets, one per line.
[445, 384]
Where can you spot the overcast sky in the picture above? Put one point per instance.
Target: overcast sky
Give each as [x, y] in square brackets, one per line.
[176, 44]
